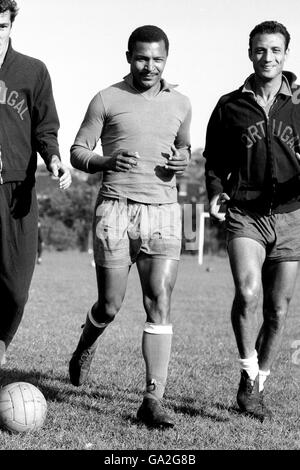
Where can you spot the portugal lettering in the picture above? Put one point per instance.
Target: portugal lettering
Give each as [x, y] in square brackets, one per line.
[257, 132]
[12, 99]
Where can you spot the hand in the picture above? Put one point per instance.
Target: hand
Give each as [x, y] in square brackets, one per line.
[215, 205]
[124, 161]
[60, 171]
[177, 162]
[298, 155]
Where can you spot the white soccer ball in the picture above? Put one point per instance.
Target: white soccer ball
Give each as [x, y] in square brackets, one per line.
[22, 407]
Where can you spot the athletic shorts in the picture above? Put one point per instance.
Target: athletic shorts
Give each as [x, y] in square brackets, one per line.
[125, 229]
[279, 234]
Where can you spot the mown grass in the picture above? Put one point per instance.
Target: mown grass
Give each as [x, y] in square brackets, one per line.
[203, 372]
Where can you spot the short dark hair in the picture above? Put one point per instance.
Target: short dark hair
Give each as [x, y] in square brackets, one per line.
[270, 27]
[9, 5]
[147, 33]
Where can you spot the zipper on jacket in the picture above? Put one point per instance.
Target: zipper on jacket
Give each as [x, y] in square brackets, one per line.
[1, 166]
[269, 133]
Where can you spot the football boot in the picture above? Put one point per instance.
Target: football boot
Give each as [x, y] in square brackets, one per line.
[80, 363]
[250, 400]
[152, 414]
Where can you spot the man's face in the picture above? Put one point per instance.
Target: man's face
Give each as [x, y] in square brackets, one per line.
[147, 62]
[268, 55]
[5, 28]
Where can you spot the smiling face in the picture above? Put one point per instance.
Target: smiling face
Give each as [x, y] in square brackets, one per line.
[5, 29]
[147, 62]
[268, 54]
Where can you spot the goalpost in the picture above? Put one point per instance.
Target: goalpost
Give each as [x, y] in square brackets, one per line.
[194, 235]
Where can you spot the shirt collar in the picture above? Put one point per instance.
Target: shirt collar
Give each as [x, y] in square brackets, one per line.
[165, 86]
[285, 88]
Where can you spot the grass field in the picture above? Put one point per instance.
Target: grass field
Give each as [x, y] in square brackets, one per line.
[203, 372]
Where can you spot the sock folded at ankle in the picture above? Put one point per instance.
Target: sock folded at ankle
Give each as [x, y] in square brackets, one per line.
[92, 330]
[94, 322]
[250, 365]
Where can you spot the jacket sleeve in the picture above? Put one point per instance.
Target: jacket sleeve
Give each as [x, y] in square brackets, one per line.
[88, 135]
[45, 122]
[214, 153]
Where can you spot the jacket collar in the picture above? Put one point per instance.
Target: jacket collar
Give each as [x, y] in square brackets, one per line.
[288, 79]
[9, 54]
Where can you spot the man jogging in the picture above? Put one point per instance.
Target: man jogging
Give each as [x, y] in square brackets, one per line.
[28, 125]
[143, 124]
[252, 164]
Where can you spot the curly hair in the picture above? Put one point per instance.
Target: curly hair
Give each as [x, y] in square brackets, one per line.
[147, 33]
[270, 27]
[9, 5]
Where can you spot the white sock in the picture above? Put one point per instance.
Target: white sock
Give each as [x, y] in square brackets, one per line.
[262, 376]
[250, 365]
[2, 353]
[156, 348]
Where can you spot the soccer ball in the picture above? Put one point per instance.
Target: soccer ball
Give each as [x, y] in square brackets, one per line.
[22, 407]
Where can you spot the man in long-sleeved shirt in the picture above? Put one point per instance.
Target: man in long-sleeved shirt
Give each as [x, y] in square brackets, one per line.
[143, 124]
[28, 124]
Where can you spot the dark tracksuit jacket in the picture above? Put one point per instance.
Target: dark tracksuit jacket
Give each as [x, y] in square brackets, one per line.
[252, 157]
[28, 125]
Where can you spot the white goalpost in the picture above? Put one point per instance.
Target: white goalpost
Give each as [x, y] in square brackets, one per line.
[194, 229]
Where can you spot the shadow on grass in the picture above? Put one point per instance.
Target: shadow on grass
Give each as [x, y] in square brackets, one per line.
[136, 422]
[36, 377]
[205, 410]
[64, 391]
[102, 398]
[192, 410]
[199, 412]
[234, 409]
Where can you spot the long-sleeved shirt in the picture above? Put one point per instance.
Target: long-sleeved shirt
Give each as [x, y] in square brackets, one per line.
[125, 119]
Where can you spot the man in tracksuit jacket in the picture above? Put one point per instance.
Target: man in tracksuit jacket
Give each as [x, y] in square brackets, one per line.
[252, 165]
[28, 124]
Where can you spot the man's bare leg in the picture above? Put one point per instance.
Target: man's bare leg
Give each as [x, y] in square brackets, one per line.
[158, 278]
[246, 259]
[278, 286]
[112, 283]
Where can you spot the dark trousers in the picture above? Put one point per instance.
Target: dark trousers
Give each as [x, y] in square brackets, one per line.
[18, 246]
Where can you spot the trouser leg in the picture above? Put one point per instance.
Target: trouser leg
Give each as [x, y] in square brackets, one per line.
[18, 245]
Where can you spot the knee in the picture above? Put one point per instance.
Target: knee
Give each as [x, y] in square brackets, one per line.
[105, 311]
[248, 294]
[275, 311]
[158, 309]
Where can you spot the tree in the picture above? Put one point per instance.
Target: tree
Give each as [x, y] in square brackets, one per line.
[66, 216]
[192, 190]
